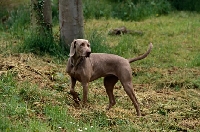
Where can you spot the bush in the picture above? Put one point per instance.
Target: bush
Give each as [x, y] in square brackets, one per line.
[188, 5]
[55, 11]
[96, 9]
[16, 18]
[129, 10]
[125, 10]
[40, 44]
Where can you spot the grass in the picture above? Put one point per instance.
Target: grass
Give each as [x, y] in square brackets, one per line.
[33, 88]
[23, 108]
[172, 46]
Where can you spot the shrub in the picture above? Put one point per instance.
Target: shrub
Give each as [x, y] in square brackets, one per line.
[40, 44]
[96, 9]
[125, 10]
[16, 18]
[188, 5]
[130, 10]
[55, 11]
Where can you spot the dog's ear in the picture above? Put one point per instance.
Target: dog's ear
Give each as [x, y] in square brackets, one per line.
[72, 48]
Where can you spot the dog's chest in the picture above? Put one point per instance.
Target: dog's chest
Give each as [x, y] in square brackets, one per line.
[81, 72]
[75, 73]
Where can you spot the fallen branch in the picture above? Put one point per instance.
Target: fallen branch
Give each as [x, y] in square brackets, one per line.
[124, 30]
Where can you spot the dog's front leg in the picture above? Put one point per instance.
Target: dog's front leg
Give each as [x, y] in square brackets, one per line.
[85, 92]
[72, 91]
[73, 83]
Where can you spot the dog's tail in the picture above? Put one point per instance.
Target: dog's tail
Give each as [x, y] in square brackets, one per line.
[142, 56]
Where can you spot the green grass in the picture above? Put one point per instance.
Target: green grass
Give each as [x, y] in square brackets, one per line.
[172, 46]
[26, 107]
[34, 88]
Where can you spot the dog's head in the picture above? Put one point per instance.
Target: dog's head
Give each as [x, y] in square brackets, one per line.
[80, 47]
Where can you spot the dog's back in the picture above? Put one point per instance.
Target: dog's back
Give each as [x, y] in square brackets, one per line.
[106, 64]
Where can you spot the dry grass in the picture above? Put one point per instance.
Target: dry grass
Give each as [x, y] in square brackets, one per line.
[163, 105]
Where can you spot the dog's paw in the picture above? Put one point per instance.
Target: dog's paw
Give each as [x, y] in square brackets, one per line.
[75, 96]
[76, 99]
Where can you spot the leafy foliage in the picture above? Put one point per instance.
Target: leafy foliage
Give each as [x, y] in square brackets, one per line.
[16, 20]
[130, 11]
[187, 5]
[125, 10]
[42, 44]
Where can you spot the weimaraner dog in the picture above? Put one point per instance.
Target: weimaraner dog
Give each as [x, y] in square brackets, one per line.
[85, 67]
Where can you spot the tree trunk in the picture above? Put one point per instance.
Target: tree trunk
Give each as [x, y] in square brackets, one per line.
[41, 15]
[47, 15]
[33, 14]
[70, 20]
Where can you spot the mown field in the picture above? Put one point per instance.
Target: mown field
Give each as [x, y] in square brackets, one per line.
[34, 88]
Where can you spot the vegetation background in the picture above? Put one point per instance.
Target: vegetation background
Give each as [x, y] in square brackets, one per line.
[34, 86]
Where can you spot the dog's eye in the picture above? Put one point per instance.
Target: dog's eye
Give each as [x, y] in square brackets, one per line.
[88, 45]
[82, 44]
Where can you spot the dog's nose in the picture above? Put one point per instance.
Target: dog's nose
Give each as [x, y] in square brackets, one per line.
[88, 54]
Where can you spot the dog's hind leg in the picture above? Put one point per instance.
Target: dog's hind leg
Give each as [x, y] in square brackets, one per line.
[126, 82]
[109, 83]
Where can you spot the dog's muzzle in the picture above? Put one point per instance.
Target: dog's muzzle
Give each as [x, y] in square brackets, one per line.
[88, 54]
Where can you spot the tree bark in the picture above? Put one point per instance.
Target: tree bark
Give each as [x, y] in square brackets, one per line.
[41, 15]
[47, 15]
[70, 20]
